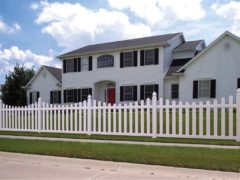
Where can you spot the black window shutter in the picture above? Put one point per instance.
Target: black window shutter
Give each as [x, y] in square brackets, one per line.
[135, 58]
[213, 88]
[238, 83]
[38, 95]
[51, 97]
[75, 95]
[75, 64]
[142, 92]
[195, 89]
[135, 93]
[30, 97]
[142, 58]
[59, 97]
[121, 93]
[156, 55]
[65, 96]
[79, 64]
[121, 60]
[64, 66]
[156, 89]
[90, 91]
[79, 95]
[90, 63]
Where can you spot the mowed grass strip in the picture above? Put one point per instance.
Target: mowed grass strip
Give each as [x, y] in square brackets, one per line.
[125, 138]
[202, 158]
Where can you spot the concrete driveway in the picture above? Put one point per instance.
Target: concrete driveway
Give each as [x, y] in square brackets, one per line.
[24, 166]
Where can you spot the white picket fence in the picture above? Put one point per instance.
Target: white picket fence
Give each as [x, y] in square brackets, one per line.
[155, 118]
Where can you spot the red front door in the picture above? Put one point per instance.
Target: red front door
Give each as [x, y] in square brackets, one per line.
[111, 95]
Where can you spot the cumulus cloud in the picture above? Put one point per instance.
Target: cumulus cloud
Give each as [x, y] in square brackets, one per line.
[79, 26]
[155, 11]
[9, 29]
[231, 12]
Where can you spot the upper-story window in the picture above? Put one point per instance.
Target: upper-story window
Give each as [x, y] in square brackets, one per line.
[105, 61]
[84, 64]
[128, 59]
[149, 56]
[77, 64]
[70, 65]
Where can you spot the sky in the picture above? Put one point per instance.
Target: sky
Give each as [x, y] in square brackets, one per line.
[34, 32]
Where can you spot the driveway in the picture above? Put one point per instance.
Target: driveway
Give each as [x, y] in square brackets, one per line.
[24, 166]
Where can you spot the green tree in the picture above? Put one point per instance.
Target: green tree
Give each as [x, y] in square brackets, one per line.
[13, 94]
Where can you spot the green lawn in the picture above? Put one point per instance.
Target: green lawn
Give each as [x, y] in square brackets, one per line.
[203, 158]
[125, 138]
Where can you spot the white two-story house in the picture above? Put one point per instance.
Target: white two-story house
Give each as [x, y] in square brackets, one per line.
[123, 71]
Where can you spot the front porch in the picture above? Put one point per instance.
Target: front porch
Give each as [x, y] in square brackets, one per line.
[105, 91]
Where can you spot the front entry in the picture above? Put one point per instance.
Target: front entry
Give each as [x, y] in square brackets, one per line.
[111, 95]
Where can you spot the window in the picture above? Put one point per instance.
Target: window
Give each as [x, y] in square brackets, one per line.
[204, 88]
[105, 61]
[69, 96]
[55, 97]
[128, 93]
[83, 94]
[128, 59]
[149, 57]
[70, 65]
[175, 91]
[84, 64]
[146, 91]
[34, 96]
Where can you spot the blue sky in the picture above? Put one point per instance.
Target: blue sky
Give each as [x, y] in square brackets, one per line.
[35, 32]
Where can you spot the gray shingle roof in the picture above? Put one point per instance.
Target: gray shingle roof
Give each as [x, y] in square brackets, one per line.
[188, 45]
[122, 44]
[56, 72]
[176, 65]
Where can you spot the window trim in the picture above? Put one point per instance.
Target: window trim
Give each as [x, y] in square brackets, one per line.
[132, 58]
[209, 89]
[105, 62]
[153, 60]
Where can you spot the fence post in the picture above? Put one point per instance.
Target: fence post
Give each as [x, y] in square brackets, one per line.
[89, 112]
[154, 115]
[0, 114]
[39, 107]
[238, 115]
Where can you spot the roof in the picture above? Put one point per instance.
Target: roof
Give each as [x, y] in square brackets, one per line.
[176, 65]
[226, 33]
[56, 72]
[160, 39]
[188, 45]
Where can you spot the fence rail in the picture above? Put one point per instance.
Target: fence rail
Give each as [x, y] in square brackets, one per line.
[155, 118]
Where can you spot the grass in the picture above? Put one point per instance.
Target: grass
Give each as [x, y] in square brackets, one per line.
[125, 138]
[202, 158]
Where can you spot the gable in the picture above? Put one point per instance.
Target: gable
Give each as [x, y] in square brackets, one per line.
[222, 57]
[216, 43]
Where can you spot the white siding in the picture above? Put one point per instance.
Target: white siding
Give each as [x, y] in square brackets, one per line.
[43, 83]
[219, 62]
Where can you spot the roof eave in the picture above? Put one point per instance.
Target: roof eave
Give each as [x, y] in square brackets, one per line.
[111, 50]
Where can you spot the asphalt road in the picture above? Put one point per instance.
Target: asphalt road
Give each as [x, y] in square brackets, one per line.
[24, 166]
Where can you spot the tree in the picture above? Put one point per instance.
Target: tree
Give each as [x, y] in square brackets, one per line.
[13, 94]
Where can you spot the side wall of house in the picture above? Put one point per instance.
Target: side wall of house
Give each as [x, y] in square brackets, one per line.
[220, 62]
[43, 83]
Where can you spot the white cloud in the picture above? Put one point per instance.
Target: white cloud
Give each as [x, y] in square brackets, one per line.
[14, 53]
[156, 11]
[9, 29]
[73, 25]
[230, 12]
